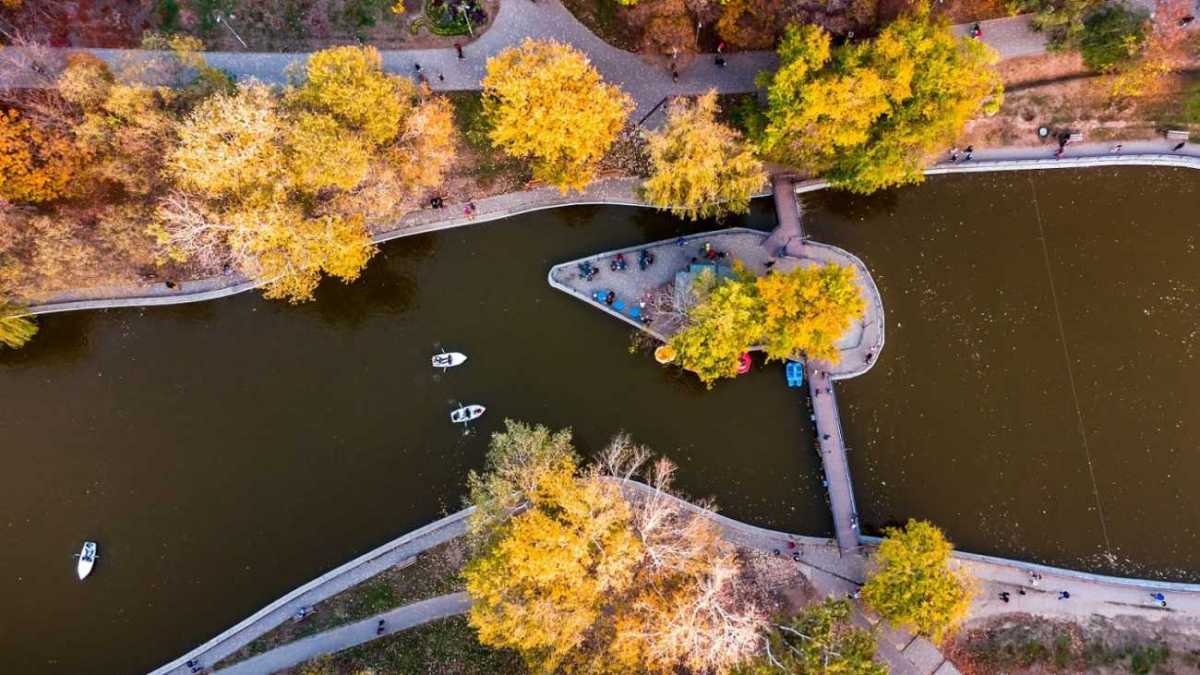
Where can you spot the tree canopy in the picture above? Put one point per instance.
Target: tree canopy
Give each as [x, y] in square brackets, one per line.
[702, 169]
[867, 113]
[820, 639]
[36, 165]
[16, 327]
[578, 576]
[913, 584]
[803, 311]
[1112, 36]
[546, 103]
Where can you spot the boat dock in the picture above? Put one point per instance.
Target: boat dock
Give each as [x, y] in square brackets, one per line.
[638, 292]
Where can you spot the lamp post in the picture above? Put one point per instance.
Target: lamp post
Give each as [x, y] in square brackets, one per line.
[221, 19]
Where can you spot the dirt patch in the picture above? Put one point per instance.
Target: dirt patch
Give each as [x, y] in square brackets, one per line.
[1081, 105]
[1021, 644]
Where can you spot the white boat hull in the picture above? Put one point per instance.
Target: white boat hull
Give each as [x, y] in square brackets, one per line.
[87, 560]
[467, 413]
[449, 359]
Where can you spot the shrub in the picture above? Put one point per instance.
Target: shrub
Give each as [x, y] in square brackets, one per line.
[1112, 35]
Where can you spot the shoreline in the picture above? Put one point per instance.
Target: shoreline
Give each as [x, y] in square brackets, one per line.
[606, 192]
[835, 572]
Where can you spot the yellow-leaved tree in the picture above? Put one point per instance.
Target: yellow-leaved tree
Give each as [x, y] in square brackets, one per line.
[322, 154]
[546, 579]
[724, 323]
[580, 570]
[349, 83]
[806, 310]
[546, 103]
[241, 198]
[701, 168]
[36, 165]
[802, 311]
[913, 583]
[16, 327]
[868, 113]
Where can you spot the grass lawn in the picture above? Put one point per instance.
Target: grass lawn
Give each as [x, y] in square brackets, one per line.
[434, 573]
[446, 647]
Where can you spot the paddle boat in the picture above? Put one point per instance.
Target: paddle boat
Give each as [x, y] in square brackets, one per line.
[466, 413]
[795, 373]
[449, 360]
[87, 559]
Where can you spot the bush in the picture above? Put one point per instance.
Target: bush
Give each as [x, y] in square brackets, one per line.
[1112, 35]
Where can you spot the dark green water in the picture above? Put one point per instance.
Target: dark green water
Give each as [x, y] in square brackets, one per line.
[977, 417]
[226, 452]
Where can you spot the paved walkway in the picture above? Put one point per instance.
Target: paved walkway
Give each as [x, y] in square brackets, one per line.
[832, 447]
[351, 634]
[331, 583]
[516, 20]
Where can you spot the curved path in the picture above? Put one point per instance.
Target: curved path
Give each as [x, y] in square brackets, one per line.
[834, 573]
[351, 634]
[516, 20]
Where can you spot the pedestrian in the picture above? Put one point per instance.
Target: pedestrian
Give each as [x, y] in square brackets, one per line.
[720, 61]
[720, 47]
[954, 154]
[817, 393]
[824, 437]
[441, 77]
[471, 206]
[417, 67]
[1034, 578]
[458, 48]
[967, 153]
[1020, 591]
[1179, 146]
[1064, 595]
[869, 356]
[674, 73]
[1004, 596]
[1159, 599]
[674, 52]
[1117, 148]
[976, 31]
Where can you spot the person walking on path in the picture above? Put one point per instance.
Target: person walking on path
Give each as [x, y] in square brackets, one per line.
[458, 48]
[1116, 149]
[674, 73]
[1064, 595]
[968, 152]
[1159, 599]
[954, 155]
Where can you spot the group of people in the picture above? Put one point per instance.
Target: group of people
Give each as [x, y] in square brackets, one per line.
[440, 203]
[966, 154]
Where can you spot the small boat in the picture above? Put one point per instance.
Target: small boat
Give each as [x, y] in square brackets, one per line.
[466, 413]
[795, 373]
[87, 559]
[449, 360]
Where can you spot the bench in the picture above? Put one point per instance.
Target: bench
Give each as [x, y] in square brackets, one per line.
[1177, 135]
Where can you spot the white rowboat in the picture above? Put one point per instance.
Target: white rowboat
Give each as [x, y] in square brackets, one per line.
[466, 413]
[449, 360]
[87, 559]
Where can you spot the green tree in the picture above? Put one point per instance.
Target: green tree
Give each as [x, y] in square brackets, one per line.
[16, 327]
[546, 103]
[1112, 36]
[913, 584]
[867, 113]
[820, 639]
[517, 459]
[702, 169]
[1060, 20]
[806, 310]
[720, 327]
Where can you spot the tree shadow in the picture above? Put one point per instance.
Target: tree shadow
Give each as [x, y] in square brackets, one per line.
[387, 287]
